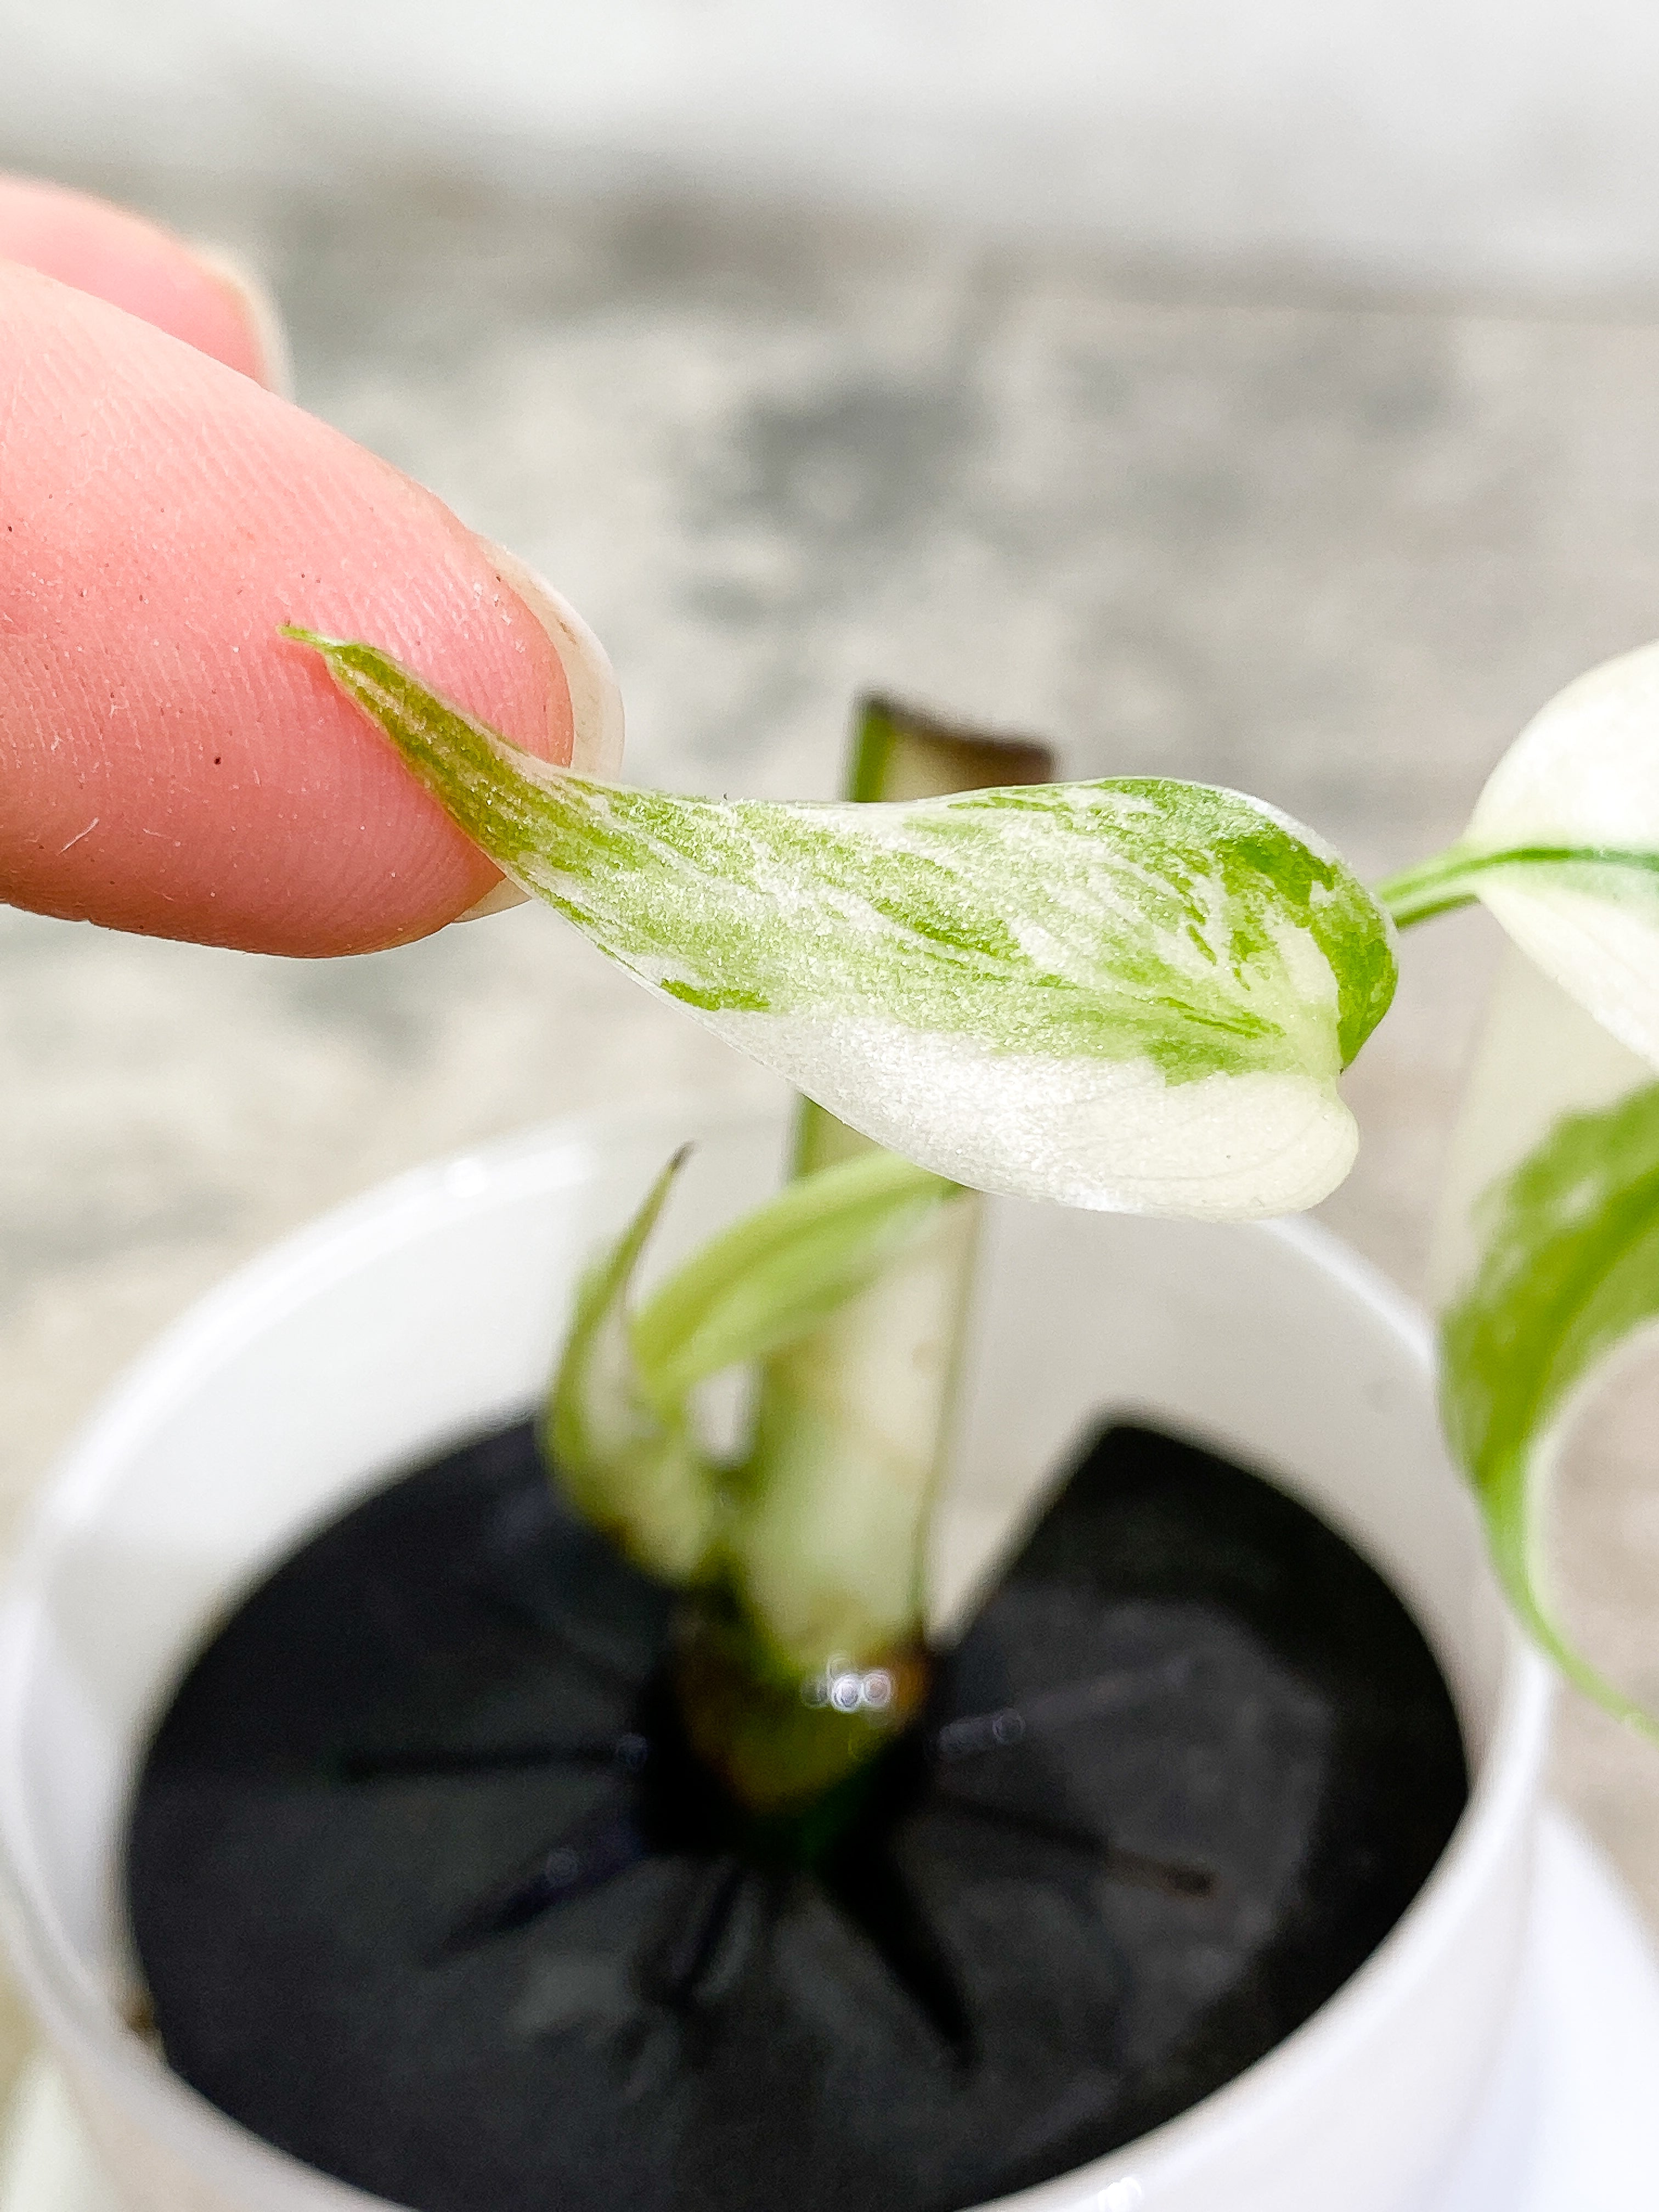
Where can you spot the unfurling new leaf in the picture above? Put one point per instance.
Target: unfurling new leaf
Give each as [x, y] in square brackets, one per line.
[619, 1429]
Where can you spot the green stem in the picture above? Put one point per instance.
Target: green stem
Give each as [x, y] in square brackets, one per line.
[852, 1422]
[1448, 880]
[826, 1548]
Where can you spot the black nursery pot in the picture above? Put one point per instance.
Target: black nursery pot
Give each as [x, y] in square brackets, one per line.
[429, 1893]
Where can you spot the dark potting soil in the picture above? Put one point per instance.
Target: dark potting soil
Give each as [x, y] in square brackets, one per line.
[428, 1894]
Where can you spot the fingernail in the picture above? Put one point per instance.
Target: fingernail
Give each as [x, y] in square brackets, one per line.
[596, 706]
[505, 897]
[259, 314]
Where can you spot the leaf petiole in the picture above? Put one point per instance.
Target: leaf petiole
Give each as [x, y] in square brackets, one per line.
[1448, 880]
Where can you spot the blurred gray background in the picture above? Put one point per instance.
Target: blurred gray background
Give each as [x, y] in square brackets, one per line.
[1269, 396]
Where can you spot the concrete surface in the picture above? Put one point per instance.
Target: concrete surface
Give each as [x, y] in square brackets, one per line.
[1330, 549]
[1470, 141]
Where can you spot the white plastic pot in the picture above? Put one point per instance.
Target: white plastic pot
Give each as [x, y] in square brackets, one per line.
[431, 1308]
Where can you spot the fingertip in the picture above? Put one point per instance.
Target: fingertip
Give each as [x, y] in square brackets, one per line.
[586, 724]
[595, 696]
[505, 897]
[199, 294]
[270, 356]
[169, 762]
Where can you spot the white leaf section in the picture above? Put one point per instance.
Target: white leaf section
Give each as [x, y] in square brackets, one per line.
[1110, 1136]
[1582, 779]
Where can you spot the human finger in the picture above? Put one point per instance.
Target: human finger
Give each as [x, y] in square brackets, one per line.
[169, 764]
[191, 292]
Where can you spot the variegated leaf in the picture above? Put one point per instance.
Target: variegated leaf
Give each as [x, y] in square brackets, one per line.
[1547, 1261]
[1134, 994]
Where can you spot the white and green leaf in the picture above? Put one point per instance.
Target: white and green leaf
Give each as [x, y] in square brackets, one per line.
[1563, 847]
[1136, 994]
[1547, 1263]
[776, 1274]
[623, 1448]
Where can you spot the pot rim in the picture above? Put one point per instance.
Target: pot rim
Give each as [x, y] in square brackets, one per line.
[84, 2017]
